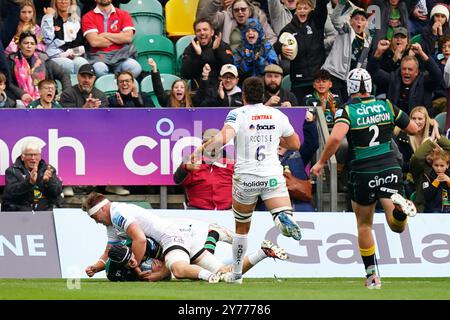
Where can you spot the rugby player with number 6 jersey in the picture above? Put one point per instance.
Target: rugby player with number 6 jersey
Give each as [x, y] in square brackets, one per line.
[257, 130]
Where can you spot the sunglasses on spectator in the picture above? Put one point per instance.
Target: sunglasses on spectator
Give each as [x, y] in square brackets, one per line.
[242, 9]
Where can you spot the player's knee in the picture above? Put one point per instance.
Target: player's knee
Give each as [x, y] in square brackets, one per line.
[242, 217]
[275, 212]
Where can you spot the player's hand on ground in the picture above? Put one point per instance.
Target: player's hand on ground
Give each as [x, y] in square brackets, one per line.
[90, 271]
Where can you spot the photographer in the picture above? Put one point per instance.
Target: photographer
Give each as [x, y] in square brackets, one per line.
[407, 87]
[205, 48]
[31, 184]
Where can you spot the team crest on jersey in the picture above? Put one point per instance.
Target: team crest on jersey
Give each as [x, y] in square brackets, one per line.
[231, 117]
[338, 113]
[425, 185]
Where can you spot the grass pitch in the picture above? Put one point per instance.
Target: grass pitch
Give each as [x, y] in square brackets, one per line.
[251, 289]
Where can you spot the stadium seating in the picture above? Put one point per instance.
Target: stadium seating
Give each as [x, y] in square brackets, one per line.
[180, 16]
[166, 79]
[147, 15]
[441, 119]
[180, 46]
[286, 83]
[108, 84]
[158, 47]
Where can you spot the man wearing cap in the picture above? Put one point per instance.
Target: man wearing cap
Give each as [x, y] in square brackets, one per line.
[350, 49]
[392, 14]
[205, 48]
[207, 185]
[274, 94]
[390, 61]
[84, 94]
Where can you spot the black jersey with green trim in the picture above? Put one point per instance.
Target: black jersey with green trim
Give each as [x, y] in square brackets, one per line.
[371, 123]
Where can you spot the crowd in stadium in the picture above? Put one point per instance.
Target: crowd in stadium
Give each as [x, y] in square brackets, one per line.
[54, 54]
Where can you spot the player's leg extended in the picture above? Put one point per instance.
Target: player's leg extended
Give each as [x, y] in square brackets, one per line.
[179, 264]
[283, 216]
[364, 221]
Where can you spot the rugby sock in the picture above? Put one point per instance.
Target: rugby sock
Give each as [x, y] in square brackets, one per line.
[211, 241]
[204, 274]
[368, 256]
[239, 247]
[256, 257]
[399, 218]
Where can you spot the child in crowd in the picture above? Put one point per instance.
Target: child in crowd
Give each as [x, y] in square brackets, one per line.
[179, 95]
[436, 183]
[47, 92]
[255, 52]
[27, 22]
[5, 101]
[323, 97]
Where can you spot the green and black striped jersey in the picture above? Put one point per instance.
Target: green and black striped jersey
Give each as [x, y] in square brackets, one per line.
[371, 123]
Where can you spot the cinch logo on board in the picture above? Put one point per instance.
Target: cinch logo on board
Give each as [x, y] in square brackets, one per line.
[262, 117]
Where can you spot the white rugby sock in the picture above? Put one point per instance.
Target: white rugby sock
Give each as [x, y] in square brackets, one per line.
[256, 257]
[239, 249]
[204, 274]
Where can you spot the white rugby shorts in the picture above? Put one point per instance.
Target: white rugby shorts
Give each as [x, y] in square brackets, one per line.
[247, 188]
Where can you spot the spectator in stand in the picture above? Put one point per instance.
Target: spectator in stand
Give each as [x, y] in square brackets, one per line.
[435, 29]
[84, 94]
[436, 183]
[89, 5]
[254, 53]
[47, 92]
[179, 96]
[109, 32]
[205, 48]
[274, 94]
[27, 22]
[308, 27]
[399, 48]
[232, 19]
[393, 14]
[323, 97]
[40, 6]
[207, 185]
[31, 184]
[407, 87]
[5, 101]
[428, 129]
[350, 49]
[128, 95]
[227, 93]
[281, 13]
[61, 29]
[418, 17]
[29, 66]
[439, 102]
[9, 20]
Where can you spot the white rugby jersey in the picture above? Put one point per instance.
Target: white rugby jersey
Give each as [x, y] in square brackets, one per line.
[258, 130]
[123, 214]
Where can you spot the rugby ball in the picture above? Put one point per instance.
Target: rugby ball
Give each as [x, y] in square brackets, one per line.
[288, 39]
